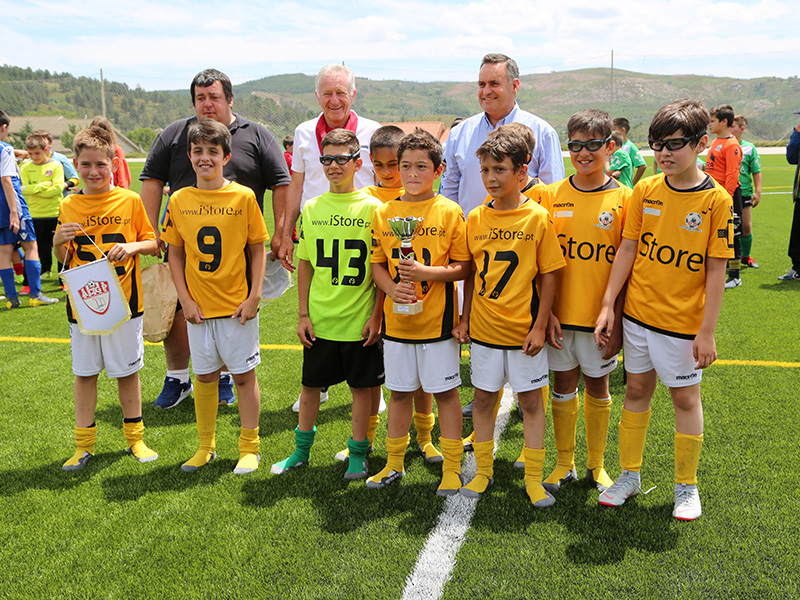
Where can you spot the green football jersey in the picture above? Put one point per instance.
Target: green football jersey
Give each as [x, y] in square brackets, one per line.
[621, 161]
[633, 151]
[751, 164]
[336, 238]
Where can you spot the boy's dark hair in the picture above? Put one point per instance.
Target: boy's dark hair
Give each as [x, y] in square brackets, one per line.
[341, 137]
[723, 112]
[525, 132]
[741, 120]
[4, 118]
[505, 144]
[93, 138]
[618, 141]
[102, 122]
[621, 123]
[590, 121]
[420, 139]
[207, 78]
[495, 58]
[388, 136]
[210, 131]
[288, 141]
[688, 116]
[35, 140]
[45, 134]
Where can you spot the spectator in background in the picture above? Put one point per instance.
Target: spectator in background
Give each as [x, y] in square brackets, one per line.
[122, 177]
[792, 156]
[71, 178]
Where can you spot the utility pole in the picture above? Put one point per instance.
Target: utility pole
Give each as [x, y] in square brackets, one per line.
[102, 94]
[612, 85]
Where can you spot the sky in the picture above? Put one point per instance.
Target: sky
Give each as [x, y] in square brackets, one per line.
[160, 44]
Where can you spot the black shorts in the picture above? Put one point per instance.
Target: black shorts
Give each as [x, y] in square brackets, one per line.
[737, 211]
[327, 363]
[747, 201]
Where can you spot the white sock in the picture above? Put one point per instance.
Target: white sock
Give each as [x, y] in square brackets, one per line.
[180, 374]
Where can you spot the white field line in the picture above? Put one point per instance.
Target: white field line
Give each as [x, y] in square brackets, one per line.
[438, 557]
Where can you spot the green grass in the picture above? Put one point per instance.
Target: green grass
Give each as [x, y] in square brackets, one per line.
[120, 529]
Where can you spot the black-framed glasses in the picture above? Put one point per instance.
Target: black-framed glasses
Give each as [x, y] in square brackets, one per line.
[591, 145]
[672, 143]
[340, 159]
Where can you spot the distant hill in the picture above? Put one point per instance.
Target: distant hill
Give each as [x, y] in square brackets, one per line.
[283, 101]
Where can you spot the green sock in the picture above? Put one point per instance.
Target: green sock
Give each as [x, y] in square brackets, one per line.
[358, 455]
[747, 244]
[303, 440]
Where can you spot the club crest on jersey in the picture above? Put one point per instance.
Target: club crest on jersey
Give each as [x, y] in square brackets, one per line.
[605, 220]
[96, 295]
[48, 173]
[693, 222]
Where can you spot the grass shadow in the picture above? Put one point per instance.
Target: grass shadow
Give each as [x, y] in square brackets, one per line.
[53, 477]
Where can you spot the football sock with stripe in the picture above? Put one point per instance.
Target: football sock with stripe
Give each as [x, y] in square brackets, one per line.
[133, 429]
[565, 420]
[206, 402]
[632, 435]
[687, 457]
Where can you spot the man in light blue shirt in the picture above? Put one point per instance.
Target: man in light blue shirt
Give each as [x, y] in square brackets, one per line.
[498, 82]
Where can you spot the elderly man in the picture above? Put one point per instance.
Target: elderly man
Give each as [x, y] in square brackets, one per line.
[335, 92]
[498, 82]
[256, 162]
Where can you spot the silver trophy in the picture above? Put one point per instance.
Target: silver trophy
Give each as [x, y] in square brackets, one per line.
[404, 229]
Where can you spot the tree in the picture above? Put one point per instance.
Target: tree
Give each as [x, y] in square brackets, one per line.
[143, 137]
[69, 136]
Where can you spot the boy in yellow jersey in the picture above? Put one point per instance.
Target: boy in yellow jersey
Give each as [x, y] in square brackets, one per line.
[588, 211]
[340, 313]
[383, 154]
[216, 236]
[507, 303]
[419, 348]
[678, 235]
[114, 220]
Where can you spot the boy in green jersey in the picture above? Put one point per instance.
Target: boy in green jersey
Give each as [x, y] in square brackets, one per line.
[622, 125]
[751, 190]
[620, 163]
[340, 313]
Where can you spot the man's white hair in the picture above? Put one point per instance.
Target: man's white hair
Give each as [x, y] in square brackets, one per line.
[333, 69]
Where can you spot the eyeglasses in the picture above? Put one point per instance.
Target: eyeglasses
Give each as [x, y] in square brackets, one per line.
[341, 159]
[591, 145]
[672, 143]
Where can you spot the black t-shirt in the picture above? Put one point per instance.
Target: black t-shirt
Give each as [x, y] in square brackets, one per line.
[256, 158]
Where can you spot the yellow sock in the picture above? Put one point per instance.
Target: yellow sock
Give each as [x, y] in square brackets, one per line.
[597, 414]
[133, 435]
[206, 403]
[451, 467]
[687, 457]
[484, 457]
[565, 420]
[395, 458]
[534, 464]
[424, 426]
[249, 445]
[85, 439]
[545, 397]
[632, 434]
[520, 462]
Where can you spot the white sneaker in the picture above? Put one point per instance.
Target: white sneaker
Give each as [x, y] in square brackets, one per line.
[790, 275]
[323, 398]
[687, 502]
[732, 282]
[628, 484]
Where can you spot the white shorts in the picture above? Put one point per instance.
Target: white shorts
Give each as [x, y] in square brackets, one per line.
[580, 350]
[120, 353]
[671, 357]
[435, 366]
[492, 367]
[218, 342]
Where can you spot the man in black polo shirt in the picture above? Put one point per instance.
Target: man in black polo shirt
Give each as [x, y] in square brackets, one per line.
[256, 162]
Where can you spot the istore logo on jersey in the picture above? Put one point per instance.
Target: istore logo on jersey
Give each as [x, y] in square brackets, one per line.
[693, 222]
[96, 295]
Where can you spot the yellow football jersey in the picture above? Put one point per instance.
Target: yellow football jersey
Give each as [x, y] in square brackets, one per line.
[440, 240]
[215, 227]
[108, 219]
[384, 194]
[532, 190]
[676, 230]
[509, 249]
[589, 229]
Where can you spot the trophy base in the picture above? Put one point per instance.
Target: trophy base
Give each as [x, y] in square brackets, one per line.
[408, 309]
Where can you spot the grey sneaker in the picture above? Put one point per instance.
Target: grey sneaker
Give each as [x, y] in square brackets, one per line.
[466, 412]
[687, 502]
[628, 484]
[41, 300]
[790, 275]
[732, 282]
